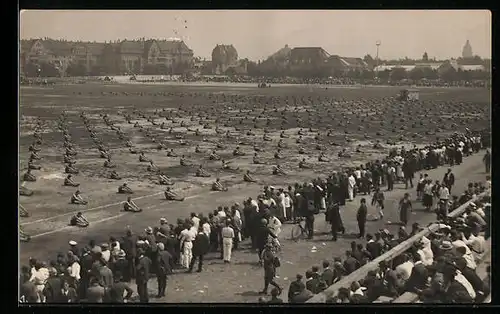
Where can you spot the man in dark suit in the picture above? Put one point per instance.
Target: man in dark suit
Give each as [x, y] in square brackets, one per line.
[335, 220]
[120, 265]
[95, 292]
[201, 246]
[295, 287]
[165, 264]
[29, 293]
[116, 291]
[53, 286]
[311, 284]
[327, 275]
[302, 296]
[361, 217]
[419, 276]
[449, 179]
[142, 272]
[375, 248]
[129, 246]
[350, 264]
[275, 297]
[482, 290]
[269, 262]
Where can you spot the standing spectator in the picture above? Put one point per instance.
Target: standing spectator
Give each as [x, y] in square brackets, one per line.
[116, 291]
[53, 287]
[28, 293]
[295, 287]
[68, 293]
[129, 246]
[39, 276]
[95, 292]
[270, 262]
[201, 246]
[165, 265]
[404, 209]
[227, 241]
[143, 268]
[449, 179]
[361, 218]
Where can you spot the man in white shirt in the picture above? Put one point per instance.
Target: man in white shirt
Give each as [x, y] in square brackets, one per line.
[221, 213]
[186, 240]
[457, 242]
[350, 187]
[476, 242]
[74, 267]
[444, 197]
[274, 224]
[206, 228]
[106, 253]
[288, 206]
[405, 269]
[195, 220]
[39, 276]
[281, 204]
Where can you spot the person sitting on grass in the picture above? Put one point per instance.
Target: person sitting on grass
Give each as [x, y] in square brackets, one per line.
[184, 162]
[24, 191]
[172, 196]
[256, 159]
[322, 158]
[304, 165]
[28, 176]
[217, 186]
[152, 167]
[68, 181]
[200, 172]
[165, 180]
[143, 158]
[33, 166]
[125, 189]
[171, 153]
[248, 178]
[70, 169]
[77, 199]
[79, 220]
[277, 170]
[108, 163]
[214, 156]
[23, 212]
[226, 165]
[130, 206]
[114, 175]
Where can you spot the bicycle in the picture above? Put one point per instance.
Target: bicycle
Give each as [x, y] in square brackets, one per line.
[299, 230]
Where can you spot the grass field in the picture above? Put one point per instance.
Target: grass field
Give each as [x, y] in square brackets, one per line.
[355, 116]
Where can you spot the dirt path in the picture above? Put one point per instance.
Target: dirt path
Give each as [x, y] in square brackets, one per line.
[240, 281]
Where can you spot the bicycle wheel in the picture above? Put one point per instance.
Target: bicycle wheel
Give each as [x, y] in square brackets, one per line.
[296, 232]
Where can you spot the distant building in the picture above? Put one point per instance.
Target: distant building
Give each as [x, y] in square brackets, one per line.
[223, 58]
[382, 68]
[343, 65]
[127, 56]
[467, 50]
[429, 65]
[308, 59]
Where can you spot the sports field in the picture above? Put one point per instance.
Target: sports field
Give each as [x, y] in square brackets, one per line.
[351, 118]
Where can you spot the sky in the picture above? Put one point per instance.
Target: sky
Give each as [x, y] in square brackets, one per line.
[257, 34]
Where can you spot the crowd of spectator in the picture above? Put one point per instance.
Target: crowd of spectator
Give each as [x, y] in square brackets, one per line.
[439, 267]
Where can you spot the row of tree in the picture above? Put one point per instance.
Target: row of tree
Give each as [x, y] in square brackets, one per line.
[44, 69]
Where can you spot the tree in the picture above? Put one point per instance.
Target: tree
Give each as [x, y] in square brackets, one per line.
[76, 69]
[449, 75]
[398, 74]
[429, 73]
[425, 57]
[48, 70]
[384, 75]
[367, 75]
[416, 74]
[31, 69]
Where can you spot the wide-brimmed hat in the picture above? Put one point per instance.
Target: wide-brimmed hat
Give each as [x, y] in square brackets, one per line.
[121, 253]
[445, 246]
[149, 230]
[72, 243]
